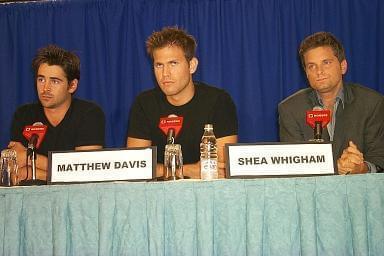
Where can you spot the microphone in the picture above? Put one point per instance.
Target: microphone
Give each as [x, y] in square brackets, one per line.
[34, 134]
[171, 136]
[318, 118]
[171, 127]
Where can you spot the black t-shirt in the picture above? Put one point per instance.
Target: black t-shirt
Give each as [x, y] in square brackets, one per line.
[83, 124]
[209, 105]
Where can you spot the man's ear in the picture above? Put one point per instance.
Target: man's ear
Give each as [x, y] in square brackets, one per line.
[344, 66]
[72, 87]
[193, 63]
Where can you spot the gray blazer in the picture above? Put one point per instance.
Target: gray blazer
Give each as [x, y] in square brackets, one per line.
[361, 121]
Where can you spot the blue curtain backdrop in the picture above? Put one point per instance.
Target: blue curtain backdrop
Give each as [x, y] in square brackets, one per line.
[248, 47]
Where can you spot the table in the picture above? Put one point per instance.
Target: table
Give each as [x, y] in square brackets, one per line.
[324, 215]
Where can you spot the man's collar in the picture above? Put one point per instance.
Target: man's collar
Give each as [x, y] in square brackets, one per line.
[340, 97]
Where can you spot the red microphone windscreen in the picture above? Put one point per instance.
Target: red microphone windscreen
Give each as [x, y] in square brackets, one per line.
[171, 122]
[37, 128]
[323, 116]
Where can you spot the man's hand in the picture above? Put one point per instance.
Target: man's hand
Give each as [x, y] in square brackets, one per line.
[221, 170]
[21, 153]
[192, 170]
[25, 173]
[351, 161]
[189, 170]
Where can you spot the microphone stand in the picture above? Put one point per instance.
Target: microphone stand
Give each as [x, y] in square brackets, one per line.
[31, 153]
[170, 141]
[317, 132]
[171, 136]
[33, 161]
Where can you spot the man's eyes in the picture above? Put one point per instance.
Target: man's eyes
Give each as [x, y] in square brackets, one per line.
[158, 65]
[311, 67]
[171, 63]
[42, 80]
[327, 62]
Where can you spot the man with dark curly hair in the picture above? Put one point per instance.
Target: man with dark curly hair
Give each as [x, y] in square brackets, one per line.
[72, 124]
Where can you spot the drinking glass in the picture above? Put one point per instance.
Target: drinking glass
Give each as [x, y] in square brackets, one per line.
[173, 162]
[9, 168]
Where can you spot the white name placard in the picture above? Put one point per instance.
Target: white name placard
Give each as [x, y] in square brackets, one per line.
[102, 165]
[279, 159]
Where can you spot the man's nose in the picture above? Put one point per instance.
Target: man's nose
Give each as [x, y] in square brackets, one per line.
[320, 69]
[166, 71]
[47, 86]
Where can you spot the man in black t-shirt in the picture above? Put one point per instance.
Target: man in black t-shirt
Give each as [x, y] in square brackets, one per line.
[173, 53]
[73, 124]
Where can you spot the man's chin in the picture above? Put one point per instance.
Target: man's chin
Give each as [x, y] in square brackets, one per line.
[47, 105]
[322, 88]
[169, 93]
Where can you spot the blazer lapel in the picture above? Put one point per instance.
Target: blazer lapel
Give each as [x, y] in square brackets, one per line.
[339, 132]
[340, 125]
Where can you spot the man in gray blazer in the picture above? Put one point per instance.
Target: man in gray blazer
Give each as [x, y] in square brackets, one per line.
[356, 129]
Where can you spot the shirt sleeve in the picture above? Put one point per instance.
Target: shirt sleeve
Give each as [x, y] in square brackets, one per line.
[139, 125]
[225, 117]
[371, 167]
[289, 130]
[17, 126]
[92, 128]
[374, 136]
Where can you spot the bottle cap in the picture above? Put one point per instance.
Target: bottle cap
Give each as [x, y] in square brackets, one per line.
[208, 126]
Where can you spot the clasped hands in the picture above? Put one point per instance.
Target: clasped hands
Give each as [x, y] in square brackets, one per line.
[351, 161]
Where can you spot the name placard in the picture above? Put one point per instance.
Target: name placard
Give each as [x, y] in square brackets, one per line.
[102, 165]
[279, 159]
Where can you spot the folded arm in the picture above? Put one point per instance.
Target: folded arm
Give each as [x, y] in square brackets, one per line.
[41, 161]
[190, 170]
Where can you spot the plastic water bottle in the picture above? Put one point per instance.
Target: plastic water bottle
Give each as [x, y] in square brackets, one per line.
[208, 154]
